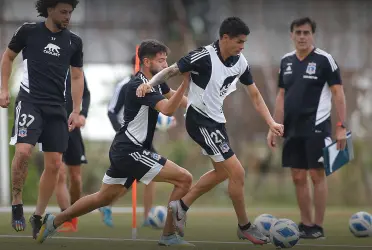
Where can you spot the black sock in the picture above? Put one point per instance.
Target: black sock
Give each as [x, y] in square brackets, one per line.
[17, 211]
[38, 217]
[183, 205]
[245, 227]
[17, 207]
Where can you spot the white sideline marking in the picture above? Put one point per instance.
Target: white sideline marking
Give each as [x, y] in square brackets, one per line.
[194, 241]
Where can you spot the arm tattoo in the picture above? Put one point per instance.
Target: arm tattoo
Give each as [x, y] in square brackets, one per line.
[164, 75]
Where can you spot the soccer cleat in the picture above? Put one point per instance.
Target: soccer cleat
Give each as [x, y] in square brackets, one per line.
[74, 222]
[317, 232]
[146, 223]
[66, 227]
[311, 232]
[35, 221]
[47, 229]
[179, 216]
[173, 240]
[18, 219]
[253, 235]
[107, 216]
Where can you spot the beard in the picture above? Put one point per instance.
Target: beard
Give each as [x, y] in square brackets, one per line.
[154, 72]
[59, 26]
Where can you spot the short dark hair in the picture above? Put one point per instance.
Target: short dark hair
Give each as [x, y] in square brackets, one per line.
[302, 21]
[149, 48]
[43, 5]
[233, 27]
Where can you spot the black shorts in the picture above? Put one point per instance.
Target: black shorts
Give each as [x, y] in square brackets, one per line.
[304, 152]
[75, 153]
[129, 163]
[46, 124]
[209, 134]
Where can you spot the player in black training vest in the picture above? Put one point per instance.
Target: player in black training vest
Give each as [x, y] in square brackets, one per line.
[309, 79]
[49, 52]
[115, 114]
[130, 154]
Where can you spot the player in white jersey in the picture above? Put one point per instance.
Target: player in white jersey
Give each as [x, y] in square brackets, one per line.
[215, 70]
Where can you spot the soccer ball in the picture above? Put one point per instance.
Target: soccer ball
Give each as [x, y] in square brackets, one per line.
[360, 224]
[289, 221]
[264, 223]
[157, 216]
[284, 233]
[164, 122]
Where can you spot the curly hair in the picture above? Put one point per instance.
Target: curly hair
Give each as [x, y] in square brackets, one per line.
[43, 5]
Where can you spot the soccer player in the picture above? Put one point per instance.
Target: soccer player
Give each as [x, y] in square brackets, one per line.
[215, 70]
[73, 158]
[49, 51]
[308, 80]
[130, 153]
[115, 114]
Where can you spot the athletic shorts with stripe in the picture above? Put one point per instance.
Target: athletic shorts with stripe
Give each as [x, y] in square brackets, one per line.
[209, 134]
[129, 163]
[46, 124]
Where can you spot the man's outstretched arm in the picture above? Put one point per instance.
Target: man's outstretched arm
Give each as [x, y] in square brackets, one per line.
[165, 75]
[159, 78]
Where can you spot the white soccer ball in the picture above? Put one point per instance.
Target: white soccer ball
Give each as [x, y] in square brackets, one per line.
[360, 224]
[157, 216]
[164, 122]
[264, 223]
[284, 233]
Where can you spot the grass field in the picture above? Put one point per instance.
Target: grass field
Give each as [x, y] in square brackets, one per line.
[207, 230]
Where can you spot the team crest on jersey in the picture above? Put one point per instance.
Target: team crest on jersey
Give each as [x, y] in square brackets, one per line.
[156, 156]
[22, 132]
[311, 68]
[224, 147]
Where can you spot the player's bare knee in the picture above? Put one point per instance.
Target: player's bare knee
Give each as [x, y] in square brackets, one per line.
[107, 195]
[238, 176]
[317, 176]
[53, 164]
[299, 177]
[62, 177]
[23, 153]
[186, 180]
[75, 178]
[103, 200]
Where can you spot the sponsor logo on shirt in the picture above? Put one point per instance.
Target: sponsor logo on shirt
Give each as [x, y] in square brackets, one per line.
[52, 49]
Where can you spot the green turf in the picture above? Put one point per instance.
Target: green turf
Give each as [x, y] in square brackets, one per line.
[213, 227]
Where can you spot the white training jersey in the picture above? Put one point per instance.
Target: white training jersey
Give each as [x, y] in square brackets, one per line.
[213, 79]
